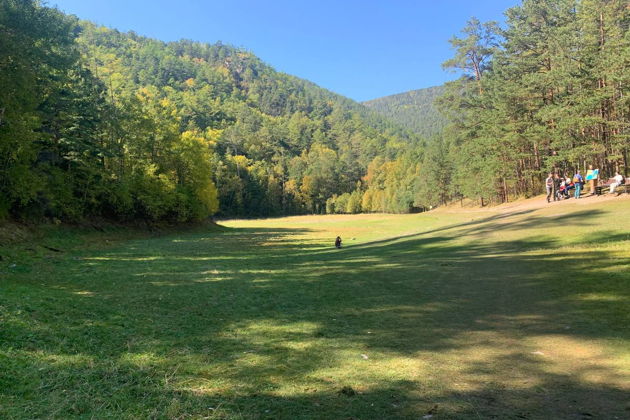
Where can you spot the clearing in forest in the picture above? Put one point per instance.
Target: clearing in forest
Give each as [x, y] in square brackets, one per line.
[520, 311]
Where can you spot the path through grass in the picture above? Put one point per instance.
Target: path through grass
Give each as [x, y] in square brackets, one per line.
[493, 314]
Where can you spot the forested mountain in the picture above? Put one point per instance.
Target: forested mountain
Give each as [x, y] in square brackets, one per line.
[96, 122]
[414, 110]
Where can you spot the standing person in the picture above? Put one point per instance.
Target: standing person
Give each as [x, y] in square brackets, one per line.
[591, 176]
[338, 242]
[618, 181]
[578, 180]
[549, 186]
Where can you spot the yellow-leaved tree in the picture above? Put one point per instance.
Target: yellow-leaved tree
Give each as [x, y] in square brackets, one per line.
[194, 173]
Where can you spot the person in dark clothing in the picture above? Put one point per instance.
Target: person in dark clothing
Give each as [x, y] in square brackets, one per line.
[338, 242]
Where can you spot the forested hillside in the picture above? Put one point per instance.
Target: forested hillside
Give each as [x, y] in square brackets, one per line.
[101, 123]
[414, 110]
[550, 92]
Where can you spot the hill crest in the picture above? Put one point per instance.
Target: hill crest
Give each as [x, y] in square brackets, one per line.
[413, 110]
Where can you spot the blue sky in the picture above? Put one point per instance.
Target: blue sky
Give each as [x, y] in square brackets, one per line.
[360, 49]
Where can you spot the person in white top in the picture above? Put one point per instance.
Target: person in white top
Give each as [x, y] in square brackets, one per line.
[618, 181]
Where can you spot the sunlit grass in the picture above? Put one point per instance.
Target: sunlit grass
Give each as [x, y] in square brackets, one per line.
[520, 313]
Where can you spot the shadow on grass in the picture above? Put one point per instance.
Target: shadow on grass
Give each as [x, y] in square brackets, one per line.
[249, 323]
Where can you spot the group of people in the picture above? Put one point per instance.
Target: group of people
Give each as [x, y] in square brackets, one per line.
[560, 187]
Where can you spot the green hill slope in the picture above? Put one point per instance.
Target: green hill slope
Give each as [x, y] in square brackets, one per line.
[413, 110]
[100, 123]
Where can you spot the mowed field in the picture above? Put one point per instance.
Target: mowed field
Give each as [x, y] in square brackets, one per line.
[514, 312]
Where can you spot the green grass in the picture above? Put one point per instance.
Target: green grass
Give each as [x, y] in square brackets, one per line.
[520, 314]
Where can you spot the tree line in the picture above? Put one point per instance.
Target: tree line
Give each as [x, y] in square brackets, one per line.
[99, 123]
[549, 92]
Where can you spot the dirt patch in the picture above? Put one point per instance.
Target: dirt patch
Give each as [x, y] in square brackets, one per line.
[11, 233]
[533, 203]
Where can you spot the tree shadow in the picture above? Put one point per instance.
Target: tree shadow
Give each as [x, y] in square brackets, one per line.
[145, 329]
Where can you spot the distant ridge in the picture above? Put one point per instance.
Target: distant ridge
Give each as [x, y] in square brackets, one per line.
[414, 110]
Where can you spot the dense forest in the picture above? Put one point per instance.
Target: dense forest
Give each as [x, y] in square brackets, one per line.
[414, 110]
[549, 92]
[98, 123]
[95, 123]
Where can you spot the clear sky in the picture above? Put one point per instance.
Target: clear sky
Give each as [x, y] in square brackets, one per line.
[361, 49]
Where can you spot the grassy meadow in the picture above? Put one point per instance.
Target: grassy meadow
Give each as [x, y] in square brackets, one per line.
[514, 312]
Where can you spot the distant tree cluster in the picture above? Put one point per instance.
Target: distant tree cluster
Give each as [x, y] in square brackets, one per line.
[98, 123]
[550, 92]
[414, 110]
